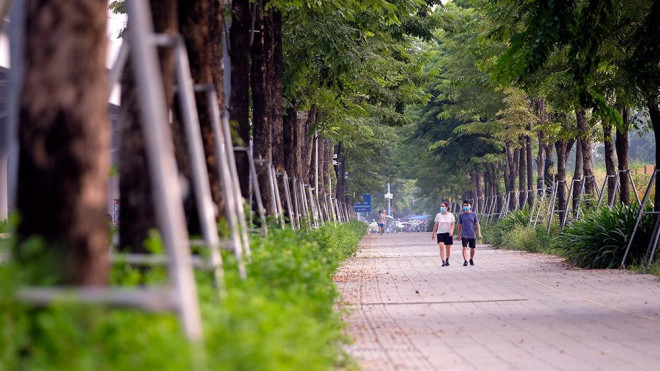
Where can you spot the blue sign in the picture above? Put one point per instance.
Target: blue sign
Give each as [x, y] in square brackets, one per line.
[363, 207]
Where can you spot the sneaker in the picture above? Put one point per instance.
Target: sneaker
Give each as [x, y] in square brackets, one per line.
[465, 263]
[443, 263]
[447, 262]
[471, 262]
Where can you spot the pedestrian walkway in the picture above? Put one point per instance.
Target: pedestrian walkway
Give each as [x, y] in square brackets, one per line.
[511, 311]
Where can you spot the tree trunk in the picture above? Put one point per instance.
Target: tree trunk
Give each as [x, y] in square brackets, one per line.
[194, 25]
[562, 154]
[610, 161]
[622, 157]
[321, 166]
[275, 69]
[217, 40]
[540, 169]
[136, 212]
[308, 147]
[486, 183]
[289, 139]
[530, 159]
[496, 187]
[547, 165]
[261, 129]
[64, 141]
[522, 173]
[239, 99]
[341, 181]
[587, 156]
[328, 168]
[654, 113]
[578, 173]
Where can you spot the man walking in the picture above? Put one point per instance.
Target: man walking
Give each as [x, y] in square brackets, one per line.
[468, 230]
[381, 220]
[443, 232]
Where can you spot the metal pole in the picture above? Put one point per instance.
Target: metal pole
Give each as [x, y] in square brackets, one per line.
[160, 152]
[316, 162]
[555, 189]
[257, 188]
[222, 160]
[639, 216]
[389, 204]
[16, 46]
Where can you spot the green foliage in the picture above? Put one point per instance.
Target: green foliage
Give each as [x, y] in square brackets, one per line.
[513, 232]
[600, 237]
[280, 318]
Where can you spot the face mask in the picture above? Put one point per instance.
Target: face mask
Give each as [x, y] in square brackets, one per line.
[443, 209]
[466, 208]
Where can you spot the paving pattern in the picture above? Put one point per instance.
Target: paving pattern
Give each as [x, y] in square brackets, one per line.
[511, 311]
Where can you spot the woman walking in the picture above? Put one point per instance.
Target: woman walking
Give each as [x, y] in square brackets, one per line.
[443, 232]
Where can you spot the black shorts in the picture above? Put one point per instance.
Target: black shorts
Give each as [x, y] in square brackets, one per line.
[471, 242]
[445, 238]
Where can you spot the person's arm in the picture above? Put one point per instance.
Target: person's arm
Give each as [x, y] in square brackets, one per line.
[435, 228]
[479, 230]
[460, 227]
[451, 231]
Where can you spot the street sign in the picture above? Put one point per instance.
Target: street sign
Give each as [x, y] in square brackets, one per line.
[389, 195]
[362, 207]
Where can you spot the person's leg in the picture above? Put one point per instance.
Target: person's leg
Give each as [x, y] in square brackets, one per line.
[448, 247]
[441, 246]
[473, 246]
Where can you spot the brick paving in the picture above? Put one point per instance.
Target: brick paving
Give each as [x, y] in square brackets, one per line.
[511, 311]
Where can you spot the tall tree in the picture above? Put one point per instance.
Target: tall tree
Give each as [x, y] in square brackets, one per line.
[136, 213]
[64, 138]
[261, 125]
[622, 157]
[239, 100]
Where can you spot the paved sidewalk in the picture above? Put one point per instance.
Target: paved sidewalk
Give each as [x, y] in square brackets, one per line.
[511, 311]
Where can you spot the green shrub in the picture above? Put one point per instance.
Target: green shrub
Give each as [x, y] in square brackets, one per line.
[496, 233]
[280, 318]
[600, 237]
[513, 232]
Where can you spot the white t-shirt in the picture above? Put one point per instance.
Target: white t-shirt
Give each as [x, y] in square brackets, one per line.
[444, 222]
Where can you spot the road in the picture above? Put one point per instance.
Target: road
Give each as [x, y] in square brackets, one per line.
[511, 311]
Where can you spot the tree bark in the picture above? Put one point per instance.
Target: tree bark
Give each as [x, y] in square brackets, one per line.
[487, 183]
[522, 172]
[308, 146]
[275, 70]
[562, 154]
[540, 170]
[289, 142]
[261, 129]
[587, 156]
[136, 212]
[194, 26]
[654, 113]
[530, 156]
[239, 98]
[578, 173]
[328, 168]
[622, 157]
[340, 168]
[217, 41]
[64, 140]
[547, 165]
[610, 161]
